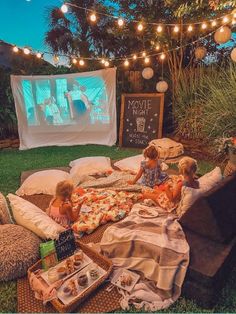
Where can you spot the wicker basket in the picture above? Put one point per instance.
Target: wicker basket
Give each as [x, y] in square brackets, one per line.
[100, 260]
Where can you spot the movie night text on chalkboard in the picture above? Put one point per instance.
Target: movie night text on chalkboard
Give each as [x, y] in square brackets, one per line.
[141, 119]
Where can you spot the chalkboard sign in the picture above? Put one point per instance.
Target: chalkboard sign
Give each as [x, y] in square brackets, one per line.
[65, 245]
[141, 119]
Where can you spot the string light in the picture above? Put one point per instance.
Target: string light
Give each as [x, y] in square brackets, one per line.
[204, 25]
[144, 54]
[38, 55]
[120, 22]
[135, 57]
[190, 28]
[225, 19]
[74, 60]
[140, 27]
[81, 62]
[126, 63]
[103, 61]
[93, 17]
[159, 28]
[233, 22]
[176, 29]
[213, 24]
[56, 59]
[146, 60]
[106, 63]
[64, 8]
[163, 56]
[158, 47]
[15, 49]
[26, 51]
[234, 15]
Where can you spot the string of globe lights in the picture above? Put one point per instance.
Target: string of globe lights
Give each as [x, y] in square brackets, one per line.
[145, 55]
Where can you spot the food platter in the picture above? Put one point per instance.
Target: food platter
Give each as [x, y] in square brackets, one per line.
[79, 283]
[125, 279]
[66, 268]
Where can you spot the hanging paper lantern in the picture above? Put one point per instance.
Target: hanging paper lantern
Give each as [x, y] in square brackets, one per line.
[200, 53]
[147, 73]
[222, 35]
[233, 54]
[162, 86]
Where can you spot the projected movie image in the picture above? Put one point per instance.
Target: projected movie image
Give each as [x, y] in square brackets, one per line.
[65, 101]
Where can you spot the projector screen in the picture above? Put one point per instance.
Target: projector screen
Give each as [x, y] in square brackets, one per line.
[66, 109]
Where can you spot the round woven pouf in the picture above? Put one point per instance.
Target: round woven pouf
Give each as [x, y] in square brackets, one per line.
[19, 249]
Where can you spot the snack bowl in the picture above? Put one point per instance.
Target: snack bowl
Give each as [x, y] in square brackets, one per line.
[67, 290]
[61, 271]
[79, 256]
[93, 273]
[83, 280]
[77, 264]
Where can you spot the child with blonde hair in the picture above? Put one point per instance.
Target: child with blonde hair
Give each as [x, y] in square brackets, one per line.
[150, 168]
[187, 169]
[61, 208]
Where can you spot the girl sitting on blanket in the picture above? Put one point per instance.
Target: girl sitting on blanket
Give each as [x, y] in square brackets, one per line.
[150, 169]
[61, 208]
[187, 169]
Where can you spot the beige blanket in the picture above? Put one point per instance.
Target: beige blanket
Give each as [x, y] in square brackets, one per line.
[155, 247]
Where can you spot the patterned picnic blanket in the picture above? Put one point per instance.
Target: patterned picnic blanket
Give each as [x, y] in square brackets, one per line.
[156, 247]
[100, 207]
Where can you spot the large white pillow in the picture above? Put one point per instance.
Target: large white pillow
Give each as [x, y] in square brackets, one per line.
[42, 182]
[103, 162]
[88, 166]
[210, 179]
[188, 197]
[33, 218]
[133, 163]
[130, 164]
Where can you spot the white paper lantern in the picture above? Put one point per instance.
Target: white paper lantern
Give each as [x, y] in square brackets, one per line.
[222, 35]
[147, 73]
[162, 86]
[233, 54]
[200, 53]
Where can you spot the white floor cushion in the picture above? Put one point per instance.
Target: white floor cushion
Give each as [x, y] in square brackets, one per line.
[33, 218]
[42, 182]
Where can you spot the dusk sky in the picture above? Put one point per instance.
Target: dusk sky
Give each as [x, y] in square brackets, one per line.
[24, 22]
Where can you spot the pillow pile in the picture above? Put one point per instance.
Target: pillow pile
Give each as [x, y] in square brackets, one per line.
[42, 182]
[33, 218]
[89, 166]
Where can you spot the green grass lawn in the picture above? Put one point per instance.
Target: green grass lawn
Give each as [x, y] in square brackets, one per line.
[13, 162]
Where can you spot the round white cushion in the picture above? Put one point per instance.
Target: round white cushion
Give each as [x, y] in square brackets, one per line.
[19, 249]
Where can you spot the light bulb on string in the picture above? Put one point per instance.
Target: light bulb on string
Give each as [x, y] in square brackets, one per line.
[158, 47]
[106, 64]
[204, 25]
[120, 22]
[56, 59]
[126, 63]
[26, 51]
[159, 28]
[225, 19]
[146, 60]
[176, 29]
[190, 28]
[74, 60]
[81, 62]
[140, 27]
[135, 57]
[93, 17]
[144, 54]
[38, 55]
[233, 22]
[64, 8]
[103, 61]
[213, 23]
[234, 15]
[163, 56]
[15, 49]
